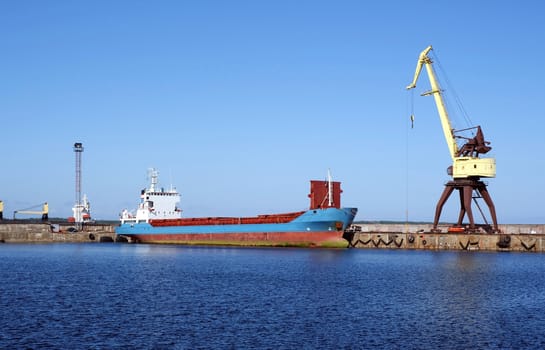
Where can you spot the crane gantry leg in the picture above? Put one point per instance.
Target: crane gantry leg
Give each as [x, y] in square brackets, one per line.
[465, 188]
[466, 195]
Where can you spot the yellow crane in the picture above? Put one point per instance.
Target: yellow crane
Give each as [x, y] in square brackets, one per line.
[467, 168]
[44, 212]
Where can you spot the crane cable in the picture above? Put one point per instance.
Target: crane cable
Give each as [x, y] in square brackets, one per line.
[450, 86]
[411, 107]
[410, 104]
[33, 207]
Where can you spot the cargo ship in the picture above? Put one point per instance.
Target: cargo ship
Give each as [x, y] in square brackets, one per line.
[158, 219]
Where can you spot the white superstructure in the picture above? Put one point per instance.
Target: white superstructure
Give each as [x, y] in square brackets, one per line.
[82, 211]
[155, 203]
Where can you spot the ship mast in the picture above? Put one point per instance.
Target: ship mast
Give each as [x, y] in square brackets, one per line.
[329, 189]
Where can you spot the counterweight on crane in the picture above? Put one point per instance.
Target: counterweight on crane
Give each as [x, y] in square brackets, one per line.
[467, 168]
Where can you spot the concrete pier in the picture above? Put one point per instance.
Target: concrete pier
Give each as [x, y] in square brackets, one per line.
[514, 238]
[521, 238]
[51, 233]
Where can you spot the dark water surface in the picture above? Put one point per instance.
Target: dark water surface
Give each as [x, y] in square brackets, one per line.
[109, 296]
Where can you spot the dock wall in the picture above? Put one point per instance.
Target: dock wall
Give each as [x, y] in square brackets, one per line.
[47, 233]
[523, 238]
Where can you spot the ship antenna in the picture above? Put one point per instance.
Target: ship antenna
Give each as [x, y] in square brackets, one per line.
[171, 183]
[329, 189]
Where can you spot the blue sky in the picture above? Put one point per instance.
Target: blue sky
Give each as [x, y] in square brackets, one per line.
[240, 103]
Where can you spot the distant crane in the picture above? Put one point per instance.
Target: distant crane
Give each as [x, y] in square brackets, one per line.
[467, 168]
[29, 211]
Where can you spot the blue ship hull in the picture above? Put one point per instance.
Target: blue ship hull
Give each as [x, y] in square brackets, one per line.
[315, 227]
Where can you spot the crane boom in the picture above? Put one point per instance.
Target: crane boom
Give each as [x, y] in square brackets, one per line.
[463, 166]
[423, 59]
[44, 212]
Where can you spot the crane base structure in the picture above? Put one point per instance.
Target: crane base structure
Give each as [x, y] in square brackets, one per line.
[466, 188]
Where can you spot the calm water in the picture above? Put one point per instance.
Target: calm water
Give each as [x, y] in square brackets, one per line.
[107, 296]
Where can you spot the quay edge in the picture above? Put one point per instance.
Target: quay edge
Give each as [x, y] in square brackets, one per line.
[513, 238]
[51, 233]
